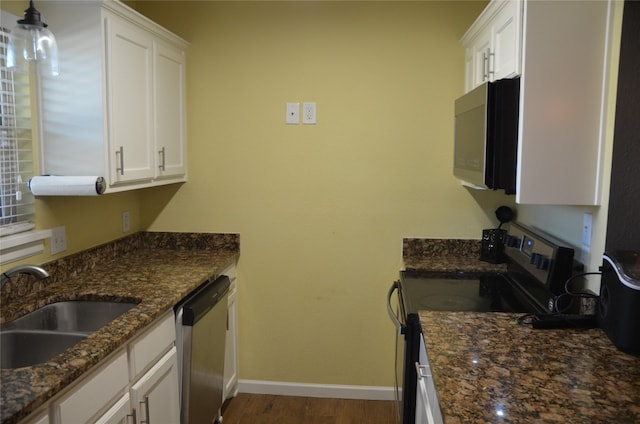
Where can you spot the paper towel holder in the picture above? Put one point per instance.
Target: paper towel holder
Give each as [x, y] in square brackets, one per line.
[53, 185]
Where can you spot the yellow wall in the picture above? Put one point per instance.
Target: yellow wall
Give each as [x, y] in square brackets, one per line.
[321, 209]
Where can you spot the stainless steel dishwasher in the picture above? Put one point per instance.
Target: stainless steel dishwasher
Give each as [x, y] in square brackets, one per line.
[201, 325]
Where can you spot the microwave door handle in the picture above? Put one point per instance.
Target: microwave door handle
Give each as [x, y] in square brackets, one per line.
[395, 286]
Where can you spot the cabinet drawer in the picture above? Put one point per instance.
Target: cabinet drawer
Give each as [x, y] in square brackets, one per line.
[95, 393]
[152, 344]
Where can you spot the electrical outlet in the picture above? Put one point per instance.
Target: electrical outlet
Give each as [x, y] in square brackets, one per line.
[585, 248]
[293, 113]
[58, 242]
[588, 305]
[309, 113]
[125, 222]
[587, 223]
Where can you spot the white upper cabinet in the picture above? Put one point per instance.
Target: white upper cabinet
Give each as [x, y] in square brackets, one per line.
[561, 51]
[492, 44]
[117, 109]
[170, 125]
[563, 102]
[129, 60]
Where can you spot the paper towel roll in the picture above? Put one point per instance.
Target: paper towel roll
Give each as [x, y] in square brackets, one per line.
[55, 185]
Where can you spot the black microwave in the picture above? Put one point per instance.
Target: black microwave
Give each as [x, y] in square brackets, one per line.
[486, 135]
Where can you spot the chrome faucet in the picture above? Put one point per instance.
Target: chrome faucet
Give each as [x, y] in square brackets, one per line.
[23, 269]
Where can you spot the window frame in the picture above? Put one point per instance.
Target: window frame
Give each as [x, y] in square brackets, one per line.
[18, 237]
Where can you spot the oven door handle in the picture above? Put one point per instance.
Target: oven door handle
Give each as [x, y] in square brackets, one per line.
[395, 286]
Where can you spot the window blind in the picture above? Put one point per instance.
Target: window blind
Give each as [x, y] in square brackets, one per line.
[16, 156]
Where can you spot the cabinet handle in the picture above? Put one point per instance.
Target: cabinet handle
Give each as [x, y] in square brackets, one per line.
[488, 63]
[491, 61]
[484, 67]
[132, 415]
[161, 152]
[120, 159]
[146, 410]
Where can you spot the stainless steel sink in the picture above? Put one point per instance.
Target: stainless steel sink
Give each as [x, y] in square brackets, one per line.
[79, 316]
[19, 348]
[44, 333]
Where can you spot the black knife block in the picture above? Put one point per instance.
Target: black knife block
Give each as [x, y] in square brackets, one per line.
[492, 246]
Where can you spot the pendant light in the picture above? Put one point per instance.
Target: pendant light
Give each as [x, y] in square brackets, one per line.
[31, 42]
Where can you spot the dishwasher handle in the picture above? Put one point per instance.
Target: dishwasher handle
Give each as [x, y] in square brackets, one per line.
[204, 300]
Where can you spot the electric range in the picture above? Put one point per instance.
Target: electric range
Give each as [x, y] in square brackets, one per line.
[538, 268]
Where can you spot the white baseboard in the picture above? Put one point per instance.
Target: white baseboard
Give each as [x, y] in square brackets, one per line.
[316, 390]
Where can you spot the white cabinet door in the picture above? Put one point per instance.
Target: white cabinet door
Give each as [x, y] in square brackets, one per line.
[155, 395]
[563, 101]
[482, 58]
[130, 100]
[118, 413]
[169, 89]
[506, 59]
[231, 346]
[469, 75]
[427, 407]
[493, 44]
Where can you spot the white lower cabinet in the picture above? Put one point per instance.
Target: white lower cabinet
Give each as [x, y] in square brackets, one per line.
[138, 384]
[231, 343]
[119, 413]
[427, 408]
[155, 395]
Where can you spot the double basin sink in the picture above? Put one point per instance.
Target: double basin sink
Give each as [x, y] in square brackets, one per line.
[50, 330]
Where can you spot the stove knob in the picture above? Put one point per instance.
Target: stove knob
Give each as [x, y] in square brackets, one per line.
[512, 241]
[543, 263]
[535, 258]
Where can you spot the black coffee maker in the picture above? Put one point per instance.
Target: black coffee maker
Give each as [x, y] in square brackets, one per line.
[619, 303]
[492, 245]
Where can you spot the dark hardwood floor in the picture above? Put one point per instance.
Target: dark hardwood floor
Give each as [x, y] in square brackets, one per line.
[269, 409]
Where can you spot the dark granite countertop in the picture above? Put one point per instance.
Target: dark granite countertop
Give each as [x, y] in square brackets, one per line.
[155, 269]
[489, 369]
[452, 257]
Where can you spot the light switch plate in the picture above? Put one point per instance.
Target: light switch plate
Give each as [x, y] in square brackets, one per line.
[293, 113]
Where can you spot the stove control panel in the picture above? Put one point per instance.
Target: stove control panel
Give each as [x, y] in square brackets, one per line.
[547, 259]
